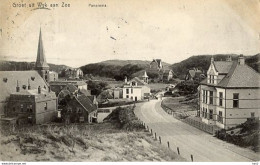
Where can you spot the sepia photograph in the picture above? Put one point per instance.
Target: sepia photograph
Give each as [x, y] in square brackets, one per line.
[131, 81]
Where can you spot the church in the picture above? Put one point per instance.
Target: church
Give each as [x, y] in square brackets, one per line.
[26, 95]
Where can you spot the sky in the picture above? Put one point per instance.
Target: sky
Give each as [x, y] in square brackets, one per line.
[171, 30]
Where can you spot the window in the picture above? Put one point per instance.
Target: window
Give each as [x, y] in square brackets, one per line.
[131, 90]
[133, 83]
[45, 106]
[29, 108]
[220, 98]
[204, 95]
[127, 96]
[220, 118]
[209, 78]
[252, 114]
[131, 97]
[206, 101]
[21, 107]
[210, 97]
[213, 79]
[13, 109]
[210, 114]
[206, 113]
[235, 100]
[203, 112]
[127, 91]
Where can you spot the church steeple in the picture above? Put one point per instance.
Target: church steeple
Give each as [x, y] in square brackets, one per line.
[41, 60]
[41, 65]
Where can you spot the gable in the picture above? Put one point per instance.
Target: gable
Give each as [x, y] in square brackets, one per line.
[212, 70]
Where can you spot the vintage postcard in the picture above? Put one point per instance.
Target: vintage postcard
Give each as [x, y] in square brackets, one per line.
[129, 81]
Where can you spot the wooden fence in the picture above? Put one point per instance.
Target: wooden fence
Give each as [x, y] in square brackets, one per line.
[200, 125]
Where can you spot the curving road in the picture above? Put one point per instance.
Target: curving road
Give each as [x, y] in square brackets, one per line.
[203, 146]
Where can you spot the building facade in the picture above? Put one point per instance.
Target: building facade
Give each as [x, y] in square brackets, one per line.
[136, 89]
[35, 106]
[230, 94]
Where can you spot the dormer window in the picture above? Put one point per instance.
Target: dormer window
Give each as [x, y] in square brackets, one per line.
[133, 83]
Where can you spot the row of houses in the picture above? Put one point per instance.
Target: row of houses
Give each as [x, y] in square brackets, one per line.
[35, 96]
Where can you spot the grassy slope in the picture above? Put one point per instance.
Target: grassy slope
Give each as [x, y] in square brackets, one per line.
[113, 140]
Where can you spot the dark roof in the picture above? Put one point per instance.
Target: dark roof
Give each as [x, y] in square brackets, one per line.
[166, 72]
[41, 60]
[8, 82]
[158, 61]
[92, 98]
[222, 67]
[240, 76]
[71, 88]
[86, 103]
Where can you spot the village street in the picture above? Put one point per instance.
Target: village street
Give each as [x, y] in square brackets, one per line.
[203, 146]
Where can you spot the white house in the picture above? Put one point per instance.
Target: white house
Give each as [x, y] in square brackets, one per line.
[230, 94]
[136, 89]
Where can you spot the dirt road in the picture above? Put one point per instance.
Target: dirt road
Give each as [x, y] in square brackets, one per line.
[203, 146]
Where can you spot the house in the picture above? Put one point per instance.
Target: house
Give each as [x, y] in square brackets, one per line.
[156, 64]
[136, 89]
[57, 86]
[80, 109]
[167, 75]
[75, 73]
[35, 106]
[230, 94]
[195, 75]
[53, 76]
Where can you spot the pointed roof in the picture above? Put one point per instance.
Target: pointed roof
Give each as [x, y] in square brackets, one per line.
[145, 74]
[41, 60]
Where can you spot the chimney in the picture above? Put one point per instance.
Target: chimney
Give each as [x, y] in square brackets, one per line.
[17, 87]
[229, 58]
[39, 90]
[241, 60]
[29, 86]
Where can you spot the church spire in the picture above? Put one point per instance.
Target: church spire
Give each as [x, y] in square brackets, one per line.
[41, 60]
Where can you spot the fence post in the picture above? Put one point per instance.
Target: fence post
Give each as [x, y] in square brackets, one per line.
[148, 128]
[160, 139]
[168, 144]
[155, 136]
[151, 131]
[191, 156]
[178, 150]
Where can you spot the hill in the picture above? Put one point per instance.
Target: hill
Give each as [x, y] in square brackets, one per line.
[132, 62]
[203, 61]
[13, 65]
[117, 69]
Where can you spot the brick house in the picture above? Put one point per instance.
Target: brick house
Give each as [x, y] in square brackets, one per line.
[80, 109]
[35, 106]
[156, 64]
[230, 94]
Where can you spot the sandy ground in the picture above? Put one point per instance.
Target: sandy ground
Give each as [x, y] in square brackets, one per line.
[191, 141]
[100, 142]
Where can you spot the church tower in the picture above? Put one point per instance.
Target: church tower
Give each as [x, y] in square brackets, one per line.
[41, 65]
